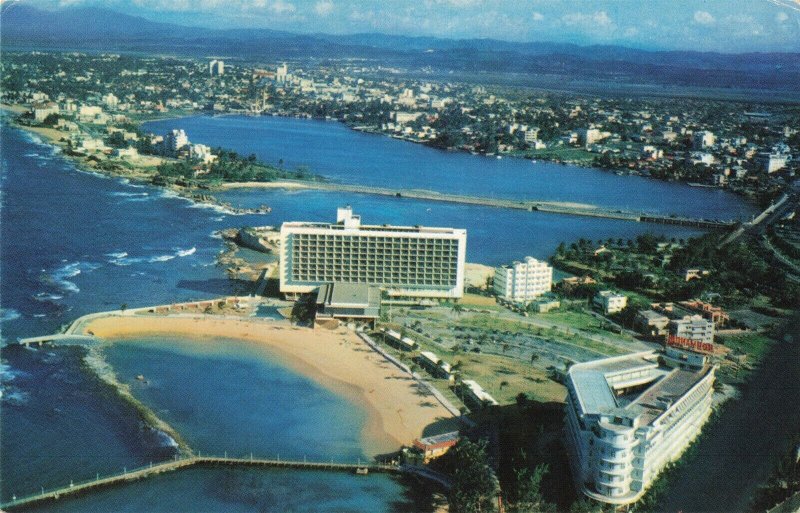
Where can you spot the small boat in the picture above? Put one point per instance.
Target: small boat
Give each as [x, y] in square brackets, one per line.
[362, 471]
[533, 161]
[499, 157]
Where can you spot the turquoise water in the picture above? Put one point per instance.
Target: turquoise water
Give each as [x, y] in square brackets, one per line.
[228, 395]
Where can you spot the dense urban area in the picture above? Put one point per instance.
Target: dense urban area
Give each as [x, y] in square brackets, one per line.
[98, 99]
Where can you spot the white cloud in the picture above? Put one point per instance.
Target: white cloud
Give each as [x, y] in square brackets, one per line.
[781, 17]
[324, 7]
[597, 20]
[703, 18]
[454, 4]
[281, 7]
[537, 16]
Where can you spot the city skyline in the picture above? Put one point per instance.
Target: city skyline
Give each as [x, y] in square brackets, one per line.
[719, 25]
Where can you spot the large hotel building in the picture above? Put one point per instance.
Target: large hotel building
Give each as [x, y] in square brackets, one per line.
[629, 416]
[405, 261]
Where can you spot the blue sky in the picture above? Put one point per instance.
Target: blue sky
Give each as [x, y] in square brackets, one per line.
[717, 25]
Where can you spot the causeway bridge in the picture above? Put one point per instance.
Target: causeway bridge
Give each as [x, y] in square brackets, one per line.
[531, 205]
[197, 461]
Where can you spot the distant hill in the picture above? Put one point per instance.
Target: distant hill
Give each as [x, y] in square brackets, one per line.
[104, 29]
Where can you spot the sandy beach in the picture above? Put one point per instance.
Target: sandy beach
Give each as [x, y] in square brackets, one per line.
[337, 360]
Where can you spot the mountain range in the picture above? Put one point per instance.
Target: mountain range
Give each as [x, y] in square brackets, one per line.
[94, 28]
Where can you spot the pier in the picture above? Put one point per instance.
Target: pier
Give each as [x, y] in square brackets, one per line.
[195, 461]
[57, 338]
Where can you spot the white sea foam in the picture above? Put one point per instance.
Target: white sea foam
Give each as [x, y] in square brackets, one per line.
[161, 258]
[46, 296]
[122, 194]
[9, 314]
[60, 276]
[16, 398]
[185, 252]
[178, 253]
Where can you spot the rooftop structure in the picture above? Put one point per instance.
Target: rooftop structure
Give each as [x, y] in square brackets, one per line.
[348, 301]
[398, 340]
[436, 445]
[405, 261]
[475, 393]
[628, 416]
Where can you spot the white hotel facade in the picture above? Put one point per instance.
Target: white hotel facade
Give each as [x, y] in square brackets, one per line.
[524, 281]
[629, 416]
[410, 262]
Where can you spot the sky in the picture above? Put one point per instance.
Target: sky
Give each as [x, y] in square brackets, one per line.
[706, 25]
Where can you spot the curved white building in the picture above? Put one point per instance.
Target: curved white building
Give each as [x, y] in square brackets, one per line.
[628, 416]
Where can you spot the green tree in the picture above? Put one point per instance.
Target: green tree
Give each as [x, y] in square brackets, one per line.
[526, 494]
[474, 484]
[304, 309]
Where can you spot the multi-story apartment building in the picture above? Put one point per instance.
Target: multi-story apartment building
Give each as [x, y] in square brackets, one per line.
[629, 416]
[524, 281]
[692, 327]
[405, 261]
[609, 301]
[216, 68]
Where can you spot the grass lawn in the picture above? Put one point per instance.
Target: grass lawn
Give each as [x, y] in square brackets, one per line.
[753, 344]
[490, 371]
[504, 378]
[580, 321]
[490, 323]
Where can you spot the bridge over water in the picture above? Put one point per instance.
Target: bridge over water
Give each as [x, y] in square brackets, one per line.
[225, 461]
[531, 205]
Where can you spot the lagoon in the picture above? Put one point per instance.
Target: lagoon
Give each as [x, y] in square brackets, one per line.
[343, 155]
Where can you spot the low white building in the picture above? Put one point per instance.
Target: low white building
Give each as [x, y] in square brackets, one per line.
[627, 417]
[522, 282]
[475, 393]
[610, 302]
[43, 109]
[202, 153]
